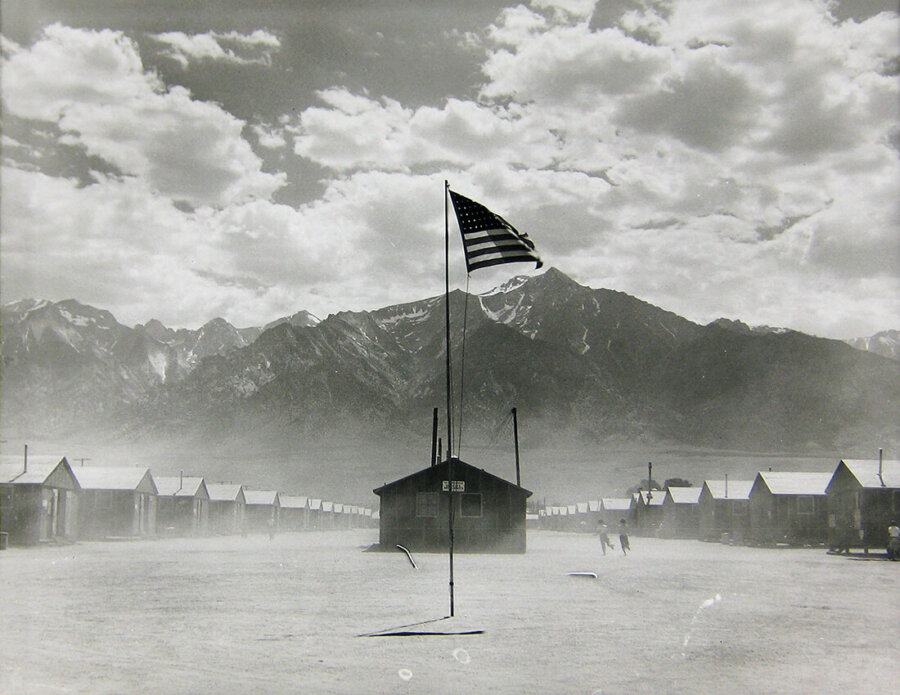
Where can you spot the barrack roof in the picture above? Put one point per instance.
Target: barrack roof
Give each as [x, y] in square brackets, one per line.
[737, 489]
[223, 492]
[685, 495]
[40, 468]
[866, 472]
[293, 501]
[261, 497]
[617, 504]
[795, 483]
[179, 486]
[112, 477]
[444, 464]
[657, 497]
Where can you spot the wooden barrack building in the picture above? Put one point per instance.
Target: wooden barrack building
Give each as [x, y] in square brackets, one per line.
[489, 512]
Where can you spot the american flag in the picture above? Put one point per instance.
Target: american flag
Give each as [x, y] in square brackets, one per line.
[488, 238]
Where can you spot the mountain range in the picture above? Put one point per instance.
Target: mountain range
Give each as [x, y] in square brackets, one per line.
[589, 365]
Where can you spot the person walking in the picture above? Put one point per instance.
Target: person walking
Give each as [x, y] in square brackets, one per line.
[623, 536]
[603, 532]
[893, 541]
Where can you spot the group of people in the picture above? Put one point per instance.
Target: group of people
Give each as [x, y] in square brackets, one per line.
[603, 532]
[893, 549]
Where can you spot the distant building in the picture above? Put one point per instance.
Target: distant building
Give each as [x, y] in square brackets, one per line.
[863, 498]
[226, 507]
[615, 509]
[326, 516]
[116, 501]
[261, 510]
[681, 513]
[489, 512]
[648, 511]
[294, 512]
[38, 499]
[315, 513]
[341, 517]
[725, 509]
[788, 507]
[182, 505]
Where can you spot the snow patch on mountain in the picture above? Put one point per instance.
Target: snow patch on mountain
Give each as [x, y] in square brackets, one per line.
[158, 364]
[510, 285]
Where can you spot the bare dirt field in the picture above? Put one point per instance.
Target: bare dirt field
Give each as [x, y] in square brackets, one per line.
[290, 615]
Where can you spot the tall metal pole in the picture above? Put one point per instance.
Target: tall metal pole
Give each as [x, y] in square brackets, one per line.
[449, 401]
[447, 316]
[516, 439]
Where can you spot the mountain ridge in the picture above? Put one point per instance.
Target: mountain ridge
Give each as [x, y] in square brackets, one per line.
[586, 364]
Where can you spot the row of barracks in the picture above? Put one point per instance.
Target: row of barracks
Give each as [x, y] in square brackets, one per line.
[850, 507]
[46, 499]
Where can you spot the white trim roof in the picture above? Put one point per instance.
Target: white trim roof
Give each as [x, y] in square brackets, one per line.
[657, 497]
[866, 472]
[223, 492]
[112, 477]
[179, 486]
[685, 495]
[795, 483]
[40, 468]
[737, 489]
[269, 497]
[617, 504]
[293, 502]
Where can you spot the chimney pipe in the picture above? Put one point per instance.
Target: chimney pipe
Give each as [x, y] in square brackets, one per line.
[881, 466]
[434, 431]
[26, 459]
[726, 486]
[516, 441]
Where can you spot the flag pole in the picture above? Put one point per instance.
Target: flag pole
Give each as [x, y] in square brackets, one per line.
[449, 401]
[447, 314]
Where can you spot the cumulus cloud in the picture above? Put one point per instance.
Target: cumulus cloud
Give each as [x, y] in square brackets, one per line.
[230, 47]
[245, 261]
[747, 146]
[355, 132]
[92, 84]
[715, 158]
[270, 138]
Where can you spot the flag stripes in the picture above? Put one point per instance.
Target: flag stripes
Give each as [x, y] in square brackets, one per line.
[488, 239]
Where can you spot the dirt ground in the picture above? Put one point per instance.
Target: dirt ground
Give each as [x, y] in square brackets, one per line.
[291, 615]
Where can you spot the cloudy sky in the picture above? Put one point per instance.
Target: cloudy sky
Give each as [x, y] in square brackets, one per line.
[185, 160]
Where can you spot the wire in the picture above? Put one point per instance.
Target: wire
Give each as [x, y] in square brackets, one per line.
[462, 369]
